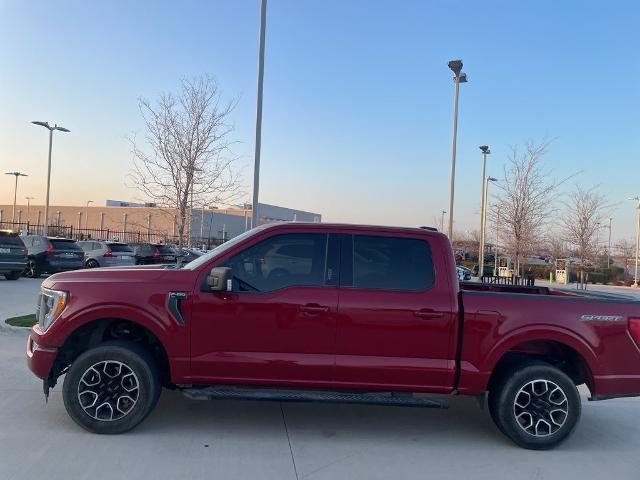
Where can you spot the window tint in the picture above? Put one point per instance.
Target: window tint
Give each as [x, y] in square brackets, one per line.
[120, 247]
[64, 245]
[166, 250]
[13, 240]
[279, 262]
[391, 263]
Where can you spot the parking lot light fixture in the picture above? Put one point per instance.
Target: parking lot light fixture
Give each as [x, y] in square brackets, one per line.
[635, 273]
[485, 151]
[458, 78]
[15, 192]
[46, 205]
[483, 225]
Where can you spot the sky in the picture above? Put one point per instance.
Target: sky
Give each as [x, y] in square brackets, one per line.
[358, 97]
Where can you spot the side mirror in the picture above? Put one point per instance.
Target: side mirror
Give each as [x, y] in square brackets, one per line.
[220, 279]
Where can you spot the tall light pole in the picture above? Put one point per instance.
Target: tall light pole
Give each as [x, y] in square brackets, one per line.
[86, 215]
[458, 78]
[484, 222]
[256, 162]
[635, 273]
[485, 151]
[442, 220]
[15, 192]
[28, 199]
[46, 205]
[609, 246]
[495, 253]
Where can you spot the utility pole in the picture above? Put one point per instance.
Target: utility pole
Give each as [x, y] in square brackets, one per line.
[609, 246]
[442, 221]
[459, 77]
[485, 151]
[258, 144]
[15, 192]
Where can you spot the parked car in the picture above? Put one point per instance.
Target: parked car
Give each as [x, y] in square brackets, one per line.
[464, 274]
[51, 255]
[13, 255]
[186, 255]
[151, 253]
[99, 253]
[354, 314]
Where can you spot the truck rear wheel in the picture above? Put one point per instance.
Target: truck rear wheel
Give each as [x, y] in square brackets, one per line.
[111, 388]
[536, 405]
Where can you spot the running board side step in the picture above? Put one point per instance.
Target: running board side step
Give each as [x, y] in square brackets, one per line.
[399, 399]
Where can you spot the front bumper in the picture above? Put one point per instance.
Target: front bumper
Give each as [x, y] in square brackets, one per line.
[40, 358]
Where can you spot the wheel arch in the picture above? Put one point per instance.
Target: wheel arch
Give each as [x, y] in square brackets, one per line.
[95, 331]
[567, 353]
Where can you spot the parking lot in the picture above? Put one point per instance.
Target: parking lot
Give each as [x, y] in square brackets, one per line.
[268, 440]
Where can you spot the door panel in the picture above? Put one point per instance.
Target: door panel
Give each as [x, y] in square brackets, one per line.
[278, 325]
[265, 337]
[394, 338]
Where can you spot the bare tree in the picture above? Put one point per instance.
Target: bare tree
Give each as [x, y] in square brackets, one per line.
[185, 158]
[585, 211]
[526, 198]
[626, 248]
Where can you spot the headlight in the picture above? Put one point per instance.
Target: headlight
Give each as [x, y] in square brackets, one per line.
[50, 306]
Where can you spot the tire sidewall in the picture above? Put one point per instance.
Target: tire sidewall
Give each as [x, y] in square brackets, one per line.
[148, 383]
[505, 418]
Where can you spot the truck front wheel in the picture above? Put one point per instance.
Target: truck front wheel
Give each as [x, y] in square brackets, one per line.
[535, 405]
[111, 388]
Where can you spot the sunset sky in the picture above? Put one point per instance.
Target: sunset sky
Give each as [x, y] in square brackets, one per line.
[357, 96]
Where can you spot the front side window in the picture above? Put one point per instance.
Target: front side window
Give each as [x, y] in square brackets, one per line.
[281, 261]
[392, 263]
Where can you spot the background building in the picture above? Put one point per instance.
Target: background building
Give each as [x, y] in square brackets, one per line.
[129, 221]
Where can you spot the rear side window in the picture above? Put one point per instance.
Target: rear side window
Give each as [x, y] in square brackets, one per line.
[392, 263]
[64, 245]
[166, 250]
[13, 240]
[119, 247]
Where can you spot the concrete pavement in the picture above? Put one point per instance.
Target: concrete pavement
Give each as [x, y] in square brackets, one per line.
[193, 439]
[267, 440]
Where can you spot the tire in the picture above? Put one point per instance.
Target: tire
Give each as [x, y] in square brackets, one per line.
[31, 269]
[92, 264]
[13, 275]
[119, 374]
[546, 422]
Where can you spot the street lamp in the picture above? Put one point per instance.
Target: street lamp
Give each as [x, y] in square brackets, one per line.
[86, 215]
[458, 78]
[258, 143]
[483, 225]
[15, 192]
[28, 199]
[485, 151]
[442, 220]
[495, 253]
[46, 205]
[609, 246]
[635, 273]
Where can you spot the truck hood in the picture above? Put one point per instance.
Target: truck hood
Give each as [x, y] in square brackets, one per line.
[133, 274]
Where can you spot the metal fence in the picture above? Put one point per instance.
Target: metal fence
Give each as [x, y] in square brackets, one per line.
[126, 236]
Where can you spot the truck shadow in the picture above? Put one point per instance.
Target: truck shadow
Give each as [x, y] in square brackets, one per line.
[463, 422]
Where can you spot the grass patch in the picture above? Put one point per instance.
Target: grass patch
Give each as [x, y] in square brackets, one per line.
[23, 321]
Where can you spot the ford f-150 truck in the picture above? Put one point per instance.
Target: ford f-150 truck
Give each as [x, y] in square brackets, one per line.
[336, 313]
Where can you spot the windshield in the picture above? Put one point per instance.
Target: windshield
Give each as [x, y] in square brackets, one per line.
[218, 250]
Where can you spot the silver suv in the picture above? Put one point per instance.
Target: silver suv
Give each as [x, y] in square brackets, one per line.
[99, 253]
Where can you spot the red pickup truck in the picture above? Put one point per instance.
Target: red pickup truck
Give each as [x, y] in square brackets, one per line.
[335, 313]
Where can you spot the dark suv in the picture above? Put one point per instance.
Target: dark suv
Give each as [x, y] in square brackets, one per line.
[13, 255]
[51, 255]
[150, 253]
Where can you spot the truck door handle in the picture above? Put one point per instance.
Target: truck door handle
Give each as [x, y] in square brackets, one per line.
[428, 313]
[313, 308]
